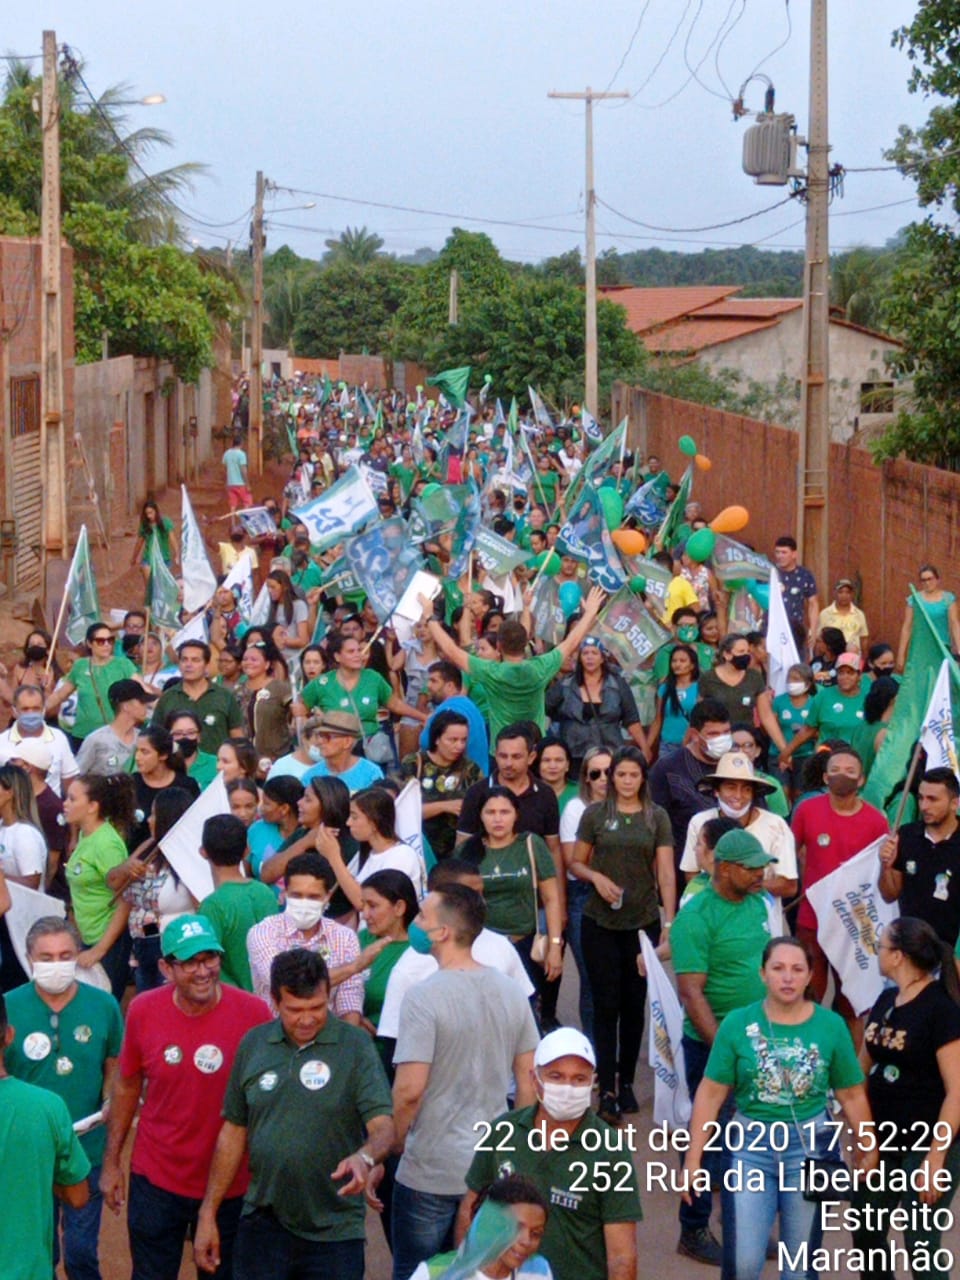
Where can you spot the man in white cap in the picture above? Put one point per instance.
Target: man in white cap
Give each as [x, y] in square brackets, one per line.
[591, 1233]
[35, 757]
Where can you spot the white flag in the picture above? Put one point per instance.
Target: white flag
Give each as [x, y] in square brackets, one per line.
[851, 915]
[196, 629]
[181, 844]
[781, 646]
[409, 826]
[199, 580]
[936, 732]
[241, 575]
[339, 512]
[26, 906]
[671, 1099]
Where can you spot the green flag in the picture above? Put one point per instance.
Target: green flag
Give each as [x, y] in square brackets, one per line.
[83, 603]
[667, 533]
[513, 418]
[598, 463]
[163, 594]
[926, 655]
[327, 390]
[453, 384]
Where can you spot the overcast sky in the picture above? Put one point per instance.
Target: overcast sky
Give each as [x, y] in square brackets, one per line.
[441, 106]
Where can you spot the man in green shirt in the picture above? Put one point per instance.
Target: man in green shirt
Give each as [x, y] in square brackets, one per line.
[40, 1156]
[219, 711]
[308, 1098]
[516, 684]
[236, 904]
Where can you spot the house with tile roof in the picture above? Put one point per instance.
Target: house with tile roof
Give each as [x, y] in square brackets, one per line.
[761, 341]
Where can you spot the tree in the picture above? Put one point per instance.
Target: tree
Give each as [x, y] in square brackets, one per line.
[350, 308]
[356, 246]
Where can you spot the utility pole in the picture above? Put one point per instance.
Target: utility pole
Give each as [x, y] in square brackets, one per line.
[453, 314]
[813, 532]
[255, 444]
[589, 97]
[54, 552]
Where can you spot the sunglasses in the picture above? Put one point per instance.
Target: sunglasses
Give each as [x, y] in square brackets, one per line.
[102, 640]
[594, 774]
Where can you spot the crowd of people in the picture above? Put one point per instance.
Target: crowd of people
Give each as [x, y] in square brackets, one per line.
[360, 1017]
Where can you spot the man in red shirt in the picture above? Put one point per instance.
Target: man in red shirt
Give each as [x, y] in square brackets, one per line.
[180, 1040]
[829, 830]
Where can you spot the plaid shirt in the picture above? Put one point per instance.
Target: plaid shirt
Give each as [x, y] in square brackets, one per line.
[337, 944]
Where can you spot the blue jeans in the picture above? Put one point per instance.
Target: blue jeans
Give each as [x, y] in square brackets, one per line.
[422, 1226]
[696, 1216]
[158, 1222]
[749, 1215]
[578, 891]
[266, 1250]
[81, 1233]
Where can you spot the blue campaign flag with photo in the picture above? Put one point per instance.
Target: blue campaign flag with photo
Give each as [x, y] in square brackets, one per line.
[383, 560]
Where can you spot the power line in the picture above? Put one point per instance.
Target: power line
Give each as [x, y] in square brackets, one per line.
[430, 213]
[714, 226]
[716, 56]
[783, 43]
[659, 62]
[626, 52]
[20, 57]
[686, 47]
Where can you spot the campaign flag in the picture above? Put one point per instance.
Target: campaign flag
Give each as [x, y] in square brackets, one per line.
[549, 623]
[671, 1098]
[344, 401]
[667, 533]
[925, 659]
[599, 462]
[383, 560]
[499, 556]
[647, 504]
[261, 608]
[465, 530]
[506, 590]
[83, 603]
[241, 576]
[409, 826]
[627, 629]
[181, 844]
[586, 536]
[455, 438]
[781, 645]
[364, 404]
[327, 390]
[163, 594]
[733, 562]
[851, 915]
[592, 431]
[452, 383]
[936, 735]
[540, 414]
[342, 510]
[416, 443]
[257, 521]
[199, 580]
[340, 580]
[450, 513]
[196, 629]
[657, 578]
[513, 419]
[499, 417]
[27, 906]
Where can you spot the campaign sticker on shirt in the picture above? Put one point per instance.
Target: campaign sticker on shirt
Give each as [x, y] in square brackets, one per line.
[268, 1081]
[891, 1073]
[173, 1055]
[911, 868]
[427, 784]
[450, 784]
[838, 707]
[314, 1074]
[64, 1066]
[365, 701]
[36, 1046]
[209, 719]
[208, 1059]
[82, 1034]
[823, 839]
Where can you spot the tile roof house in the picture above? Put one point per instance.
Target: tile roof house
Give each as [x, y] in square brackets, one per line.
[761, 339]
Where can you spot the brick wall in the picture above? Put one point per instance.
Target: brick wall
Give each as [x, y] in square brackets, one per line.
[884, 519]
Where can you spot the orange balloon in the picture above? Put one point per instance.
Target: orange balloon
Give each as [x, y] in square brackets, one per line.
[630, 541]
[702, 462]
[730, 520]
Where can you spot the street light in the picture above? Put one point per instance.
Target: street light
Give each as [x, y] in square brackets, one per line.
[149, 100]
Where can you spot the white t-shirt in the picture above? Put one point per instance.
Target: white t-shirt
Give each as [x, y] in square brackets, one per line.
[491, 949]
[535, 1268]
[399, 857]
[63, 765]
[771, 830]
[23, 850]
[570, 824]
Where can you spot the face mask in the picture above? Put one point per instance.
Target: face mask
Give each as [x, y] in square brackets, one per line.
[565, 1101]
[717, 747]
[314, 753]
[796, 688]
[304, 913]
[30, 721]
[741, 661]
[188, 747]
[419, 939]
[882, 671]
[54, 976]
[687, 634]
[35, 653]
[732, 811]
[841, 785]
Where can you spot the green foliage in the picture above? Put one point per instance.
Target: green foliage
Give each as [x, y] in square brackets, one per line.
[347, 307]
[761, 272]
[356, 246]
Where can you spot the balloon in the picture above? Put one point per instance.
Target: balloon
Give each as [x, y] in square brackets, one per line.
[427, 489]
[703, 463]
[730, 520]
[569, 596]
[700, 545]
[630, 541]
[760, 592]
[487, 379]
[612, 505]
[639, 583]
[549, 561]
[688, 446]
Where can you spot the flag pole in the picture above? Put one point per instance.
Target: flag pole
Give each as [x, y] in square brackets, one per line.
[143, 656]
[546, 560]
[56, 629]
[905, 795]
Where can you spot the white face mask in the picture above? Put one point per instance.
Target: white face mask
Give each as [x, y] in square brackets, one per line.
[305, 913]
[730, 811]
[717, 747]
[796, 688]
[54, 976]
[565, 1101]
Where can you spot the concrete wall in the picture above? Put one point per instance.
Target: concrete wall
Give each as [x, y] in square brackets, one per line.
[885, 520]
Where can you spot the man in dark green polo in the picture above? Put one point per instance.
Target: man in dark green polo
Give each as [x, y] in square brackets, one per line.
[308, 1098]
[217, 708]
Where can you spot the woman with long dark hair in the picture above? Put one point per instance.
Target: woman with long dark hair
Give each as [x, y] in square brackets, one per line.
[287, 617]
[593, 706]
[676, 698]
[158, 765]
[153, 527]
[372, 824]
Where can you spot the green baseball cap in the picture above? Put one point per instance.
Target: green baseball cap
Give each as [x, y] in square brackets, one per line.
[187, 936]
[742, 847]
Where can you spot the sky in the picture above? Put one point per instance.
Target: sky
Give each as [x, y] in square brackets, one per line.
[440, 106]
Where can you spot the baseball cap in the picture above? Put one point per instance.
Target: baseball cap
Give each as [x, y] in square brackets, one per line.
[848, 660]
[340, 722]
[844, 582]
[187, 936]
[127, 691]
[33, 751]
[562, 1043]
[742, 847]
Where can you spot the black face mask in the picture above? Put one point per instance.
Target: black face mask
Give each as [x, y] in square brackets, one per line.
[741, 661]
[188, 747]
[35, 653]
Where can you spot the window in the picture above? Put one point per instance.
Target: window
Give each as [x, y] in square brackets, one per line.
[24, 406]
[876, 397]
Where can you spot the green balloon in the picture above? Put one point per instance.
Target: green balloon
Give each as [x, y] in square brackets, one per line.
[638, 584]
[688, 446]
[612, 505]
[700, 545]
[428, 489]
[548, 561]
[487, 379]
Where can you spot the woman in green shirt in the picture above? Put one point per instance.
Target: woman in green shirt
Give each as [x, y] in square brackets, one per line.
[781, 1056]
[152, 526]
[90, 678]
[102, 808]
[389, 904]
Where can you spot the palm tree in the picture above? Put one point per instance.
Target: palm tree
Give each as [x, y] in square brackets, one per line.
[356, 245]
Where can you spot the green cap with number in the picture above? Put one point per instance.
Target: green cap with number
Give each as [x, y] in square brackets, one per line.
[187, 936]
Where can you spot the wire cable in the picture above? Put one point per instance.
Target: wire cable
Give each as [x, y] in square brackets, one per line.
[713, 226]
[626, 52]
[686, 48]
[726, 37]
[783, 43]
[659, 62]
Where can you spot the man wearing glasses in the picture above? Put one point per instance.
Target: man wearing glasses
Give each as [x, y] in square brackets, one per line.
[180, 1041]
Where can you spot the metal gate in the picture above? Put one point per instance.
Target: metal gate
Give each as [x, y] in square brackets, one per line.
[27, 489]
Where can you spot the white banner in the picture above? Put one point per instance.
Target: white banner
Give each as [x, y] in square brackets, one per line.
[181, 844]
[199, 580]
[851, 915]
[409, 825]
[936, 732]
[781, 646]
[26, 906]
[196, 629]
[241, 575]
[671, 1099]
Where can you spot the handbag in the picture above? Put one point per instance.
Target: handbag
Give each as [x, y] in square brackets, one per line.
[541, 942]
